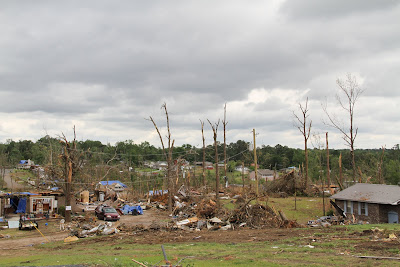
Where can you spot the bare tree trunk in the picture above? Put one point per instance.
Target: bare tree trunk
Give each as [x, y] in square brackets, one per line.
[168, 156]
[68, 192]
[340, 172]
[204, 155]
[243, 174]
[255, 162]
[305, 131]
[215, 131]
[71, 161]
[352, 91]
[380, 176]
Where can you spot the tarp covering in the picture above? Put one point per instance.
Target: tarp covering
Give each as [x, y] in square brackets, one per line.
[21, 206]
[112, 182]
[134, 210]
[22, 193]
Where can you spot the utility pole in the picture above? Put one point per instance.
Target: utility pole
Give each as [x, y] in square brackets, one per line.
[243, 174]
[255, 160]
[340, 172]
[225, 123]
[328, 174]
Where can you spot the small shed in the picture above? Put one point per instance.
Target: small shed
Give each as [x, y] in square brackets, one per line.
[374, 203]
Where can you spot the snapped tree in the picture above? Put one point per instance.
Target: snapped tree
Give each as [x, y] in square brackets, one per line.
[168, 157]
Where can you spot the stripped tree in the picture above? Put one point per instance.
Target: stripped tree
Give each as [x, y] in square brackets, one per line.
[70, 162]
[305, 128]
[352, 91]
[214, 128]
[167, 154]
[204, 155]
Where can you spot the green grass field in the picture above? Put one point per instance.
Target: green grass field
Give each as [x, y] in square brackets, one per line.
[321, 247]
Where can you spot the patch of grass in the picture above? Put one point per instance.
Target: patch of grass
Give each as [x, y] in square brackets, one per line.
[301, 250]
[307, 208]
[362, 227]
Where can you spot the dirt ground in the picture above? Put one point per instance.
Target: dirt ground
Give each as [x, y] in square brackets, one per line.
[135, 230]
[23, 240]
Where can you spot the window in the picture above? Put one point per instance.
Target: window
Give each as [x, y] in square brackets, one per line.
[362, 208]
[348, 207]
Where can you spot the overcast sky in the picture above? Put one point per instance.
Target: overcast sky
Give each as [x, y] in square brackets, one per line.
[106, 66]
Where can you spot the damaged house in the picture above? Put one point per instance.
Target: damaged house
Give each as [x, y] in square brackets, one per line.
[106, 189]
[373, 203]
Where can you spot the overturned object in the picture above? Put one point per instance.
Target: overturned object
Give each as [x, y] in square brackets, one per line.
[134, 210]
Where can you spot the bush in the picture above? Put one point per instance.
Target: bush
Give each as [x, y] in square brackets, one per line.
[61, 211]
[329, 213]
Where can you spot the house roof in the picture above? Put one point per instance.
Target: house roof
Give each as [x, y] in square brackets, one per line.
[371, 193]
[266, 172]
[112, 182]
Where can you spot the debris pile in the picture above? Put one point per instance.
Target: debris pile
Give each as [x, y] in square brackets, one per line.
[260, 216]
[288, 184]
[207, 208]
[326, 221]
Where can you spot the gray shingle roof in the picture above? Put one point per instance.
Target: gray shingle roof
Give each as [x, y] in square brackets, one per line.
[371, 193]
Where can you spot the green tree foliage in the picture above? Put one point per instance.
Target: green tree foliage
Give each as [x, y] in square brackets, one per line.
[129, 154]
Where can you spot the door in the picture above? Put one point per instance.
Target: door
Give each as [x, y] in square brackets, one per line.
[393, 217]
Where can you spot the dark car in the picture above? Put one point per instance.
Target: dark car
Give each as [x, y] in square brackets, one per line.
[106, 213]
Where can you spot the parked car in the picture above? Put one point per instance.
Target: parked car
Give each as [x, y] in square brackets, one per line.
[106, 213]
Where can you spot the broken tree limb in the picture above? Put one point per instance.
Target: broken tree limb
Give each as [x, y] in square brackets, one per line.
[377, 257]
[141, 264]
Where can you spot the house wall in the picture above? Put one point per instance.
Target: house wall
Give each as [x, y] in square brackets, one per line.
[46, 203]
[373, 212]
[383, 212]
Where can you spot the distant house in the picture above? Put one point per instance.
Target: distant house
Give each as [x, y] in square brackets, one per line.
[206, 164]
[263, 174]
[240, 169]
[116, 185]
[374, 203]
[149, 164]
[161, 165]
[26, 164]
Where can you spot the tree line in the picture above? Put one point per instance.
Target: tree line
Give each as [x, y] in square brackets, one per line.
[371, 163]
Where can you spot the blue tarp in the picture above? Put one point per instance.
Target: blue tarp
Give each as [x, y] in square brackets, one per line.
[21, 206]
[112, 182]
[22, 193]
[135, 210]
